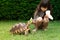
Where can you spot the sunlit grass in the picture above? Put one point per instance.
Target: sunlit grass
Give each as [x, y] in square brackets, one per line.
[52, 33]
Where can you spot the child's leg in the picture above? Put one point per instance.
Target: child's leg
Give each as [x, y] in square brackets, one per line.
[45, 23]
[38, 23]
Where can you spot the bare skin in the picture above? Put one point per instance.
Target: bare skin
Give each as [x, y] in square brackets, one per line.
[39, 20]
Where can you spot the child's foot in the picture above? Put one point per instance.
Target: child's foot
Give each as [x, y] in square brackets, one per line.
[45, 29]
[34, 30]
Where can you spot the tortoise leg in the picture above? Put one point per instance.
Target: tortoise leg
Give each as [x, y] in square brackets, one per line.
[26, 32]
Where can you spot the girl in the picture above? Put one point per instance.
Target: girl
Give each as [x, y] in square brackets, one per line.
[39, 14]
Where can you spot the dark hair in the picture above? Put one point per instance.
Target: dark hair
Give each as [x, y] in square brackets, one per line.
[44, 3]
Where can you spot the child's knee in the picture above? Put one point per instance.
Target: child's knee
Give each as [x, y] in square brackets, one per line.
[39, 19]
[46, 21]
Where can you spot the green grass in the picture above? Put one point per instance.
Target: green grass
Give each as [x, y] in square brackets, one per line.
[52, 33]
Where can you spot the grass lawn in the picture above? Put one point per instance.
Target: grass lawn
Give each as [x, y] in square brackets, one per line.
[52, 33]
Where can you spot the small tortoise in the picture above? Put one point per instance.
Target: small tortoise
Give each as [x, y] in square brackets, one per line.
[21, 28]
